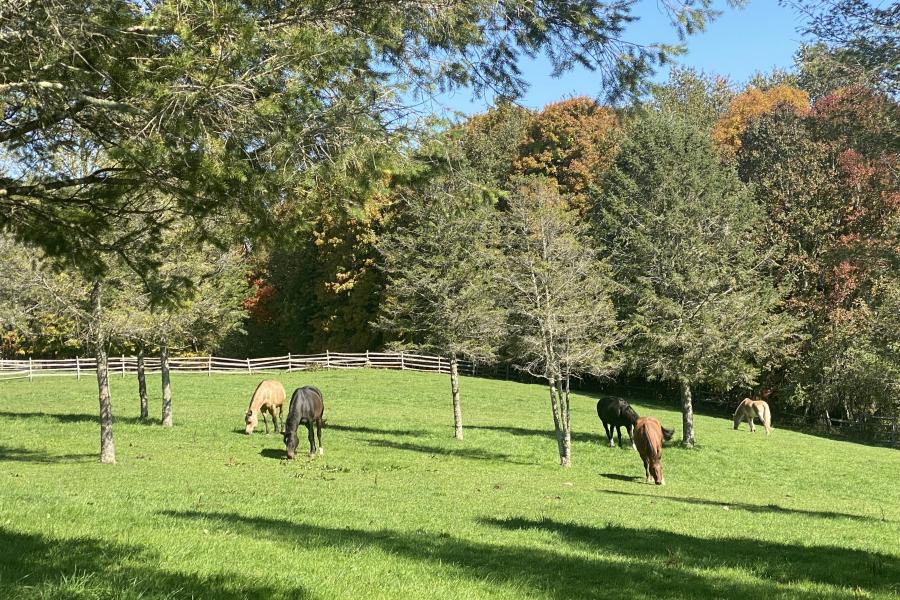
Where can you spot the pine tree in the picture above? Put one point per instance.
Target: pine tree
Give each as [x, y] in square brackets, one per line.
[681, 230]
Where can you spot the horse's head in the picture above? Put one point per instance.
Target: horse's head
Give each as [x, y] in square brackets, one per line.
[656, 472]
[290, 442]
[249, 421]
[629, 414]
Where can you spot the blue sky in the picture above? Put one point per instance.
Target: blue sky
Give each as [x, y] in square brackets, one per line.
[742, 41]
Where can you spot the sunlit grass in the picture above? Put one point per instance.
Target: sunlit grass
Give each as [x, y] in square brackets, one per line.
[397, 508]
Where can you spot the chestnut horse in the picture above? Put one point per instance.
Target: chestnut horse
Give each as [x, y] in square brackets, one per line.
[649, 435]
[307, 407]
[268, 396]
[749, 409]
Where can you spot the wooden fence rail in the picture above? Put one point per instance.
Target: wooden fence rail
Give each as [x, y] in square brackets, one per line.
[122, 365]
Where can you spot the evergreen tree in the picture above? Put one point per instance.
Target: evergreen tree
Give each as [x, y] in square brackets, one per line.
[681, 230]
[441, 285]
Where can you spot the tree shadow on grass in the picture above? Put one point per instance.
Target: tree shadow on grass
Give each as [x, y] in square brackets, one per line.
[10, 454]
[760, 508]
[771, 561]
[544, 433]
[37, 566]
[377, 431]
[619, 477]
[71, 417]
[470, 453]
[559, 572]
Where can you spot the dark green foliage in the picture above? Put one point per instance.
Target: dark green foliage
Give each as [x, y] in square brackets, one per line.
[681, 231]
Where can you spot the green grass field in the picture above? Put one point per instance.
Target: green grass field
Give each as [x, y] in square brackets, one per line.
[399, 509]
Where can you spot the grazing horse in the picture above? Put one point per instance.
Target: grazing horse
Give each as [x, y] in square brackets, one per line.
[614, 412]
[649, 434]
[268, 396]
[749, 409]
[307, 408]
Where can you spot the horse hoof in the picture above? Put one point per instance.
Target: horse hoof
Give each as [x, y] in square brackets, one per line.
[322, 451]
[312, 454]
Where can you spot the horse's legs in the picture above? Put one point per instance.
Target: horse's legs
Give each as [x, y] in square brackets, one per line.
[752, 428]
[319, 434]
[281, 416]
[262, 411]
[647, 470]
[312, 438]
[630, 429]
[619, 433]
[609, 433]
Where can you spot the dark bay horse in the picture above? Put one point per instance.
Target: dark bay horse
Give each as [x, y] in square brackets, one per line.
[615, 412]
[307, 407]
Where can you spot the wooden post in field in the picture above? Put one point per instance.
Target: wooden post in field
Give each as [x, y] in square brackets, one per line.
[327, 359]
[439, 364]
[77, 369]
[123, 366]
[30, 370]
[249, 370]
[209, 366]
[289, 362]
[368, 363]
[402, 363]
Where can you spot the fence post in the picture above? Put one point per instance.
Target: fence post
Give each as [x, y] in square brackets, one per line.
[249, 370]
[123, 366]
[368, 364]
[327, 359]
[439, 365]
[473, 368]
[30, 370]
[289, 362]
[77, 369]
[209, 366]
[402, 362]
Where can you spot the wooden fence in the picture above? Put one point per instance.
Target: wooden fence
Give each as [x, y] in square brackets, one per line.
[122, 365]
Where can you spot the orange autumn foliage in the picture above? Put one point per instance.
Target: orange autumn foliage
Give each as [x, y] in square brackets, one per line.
[754, 102]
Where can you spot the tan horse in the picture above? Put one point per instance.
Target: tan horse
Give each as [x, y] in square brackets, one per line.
[268, 396]
[649, 435]
[749, 409]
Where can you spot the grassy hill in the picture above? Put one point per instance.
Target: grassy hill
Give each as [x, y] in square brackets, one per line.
[398, 509]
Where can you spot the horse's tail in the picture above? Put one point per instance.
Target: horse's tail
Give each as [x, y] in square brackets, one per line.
[766, 416]
[667, 433]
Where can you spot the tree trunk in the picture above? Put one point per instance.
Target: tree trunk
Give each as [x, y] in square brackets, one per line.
[166, 386]
[454, 389]
[142, 382]
[107, 446]
[565, 458]
[557, 421]
[687, 415]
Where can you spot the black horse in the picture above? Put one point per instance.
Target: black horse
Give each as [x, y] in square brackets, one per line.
[614, 412]
[307, 408]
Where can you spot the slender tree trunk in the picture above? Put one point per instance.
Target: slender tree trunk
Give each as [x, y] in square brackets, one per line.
[454, 389]
[107, 446]
[565, 456]
[557, 420]
[166, 386]
[142, 382]
[687, 414]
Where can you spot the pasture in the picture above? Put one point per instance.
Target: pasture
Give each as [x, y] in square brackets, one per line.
[396, 508]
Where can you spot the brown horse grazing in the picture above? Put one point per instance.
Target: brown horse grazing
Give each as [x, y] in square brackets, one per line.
[749, 409]
[649, 435]
[268, 396]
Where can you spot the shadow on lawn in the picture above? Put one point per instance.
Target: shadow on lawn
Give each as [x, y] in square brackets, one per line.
[764, 508]
[560, 573]
[546, 433]
[37, 566]
[472, 453]
[8, 453]
[377, 431]
[70, 417]
[618, 477]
